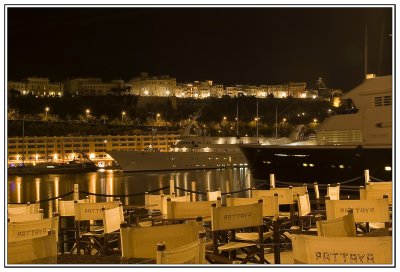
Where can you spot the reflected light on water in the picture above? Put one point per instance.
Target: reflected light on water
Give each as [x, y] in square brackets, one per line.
[19, 185]
[31, 188]
[208, 180]
[110, 187]
[56, 191]
[37, 189]
[92, 188]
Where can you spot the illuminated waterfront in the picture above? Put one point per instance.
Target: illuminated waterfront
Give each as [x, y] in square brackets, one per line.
[34, 188]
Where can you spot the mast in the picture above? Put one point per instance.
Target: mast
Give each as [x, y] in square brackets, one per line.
[276, 121]
[257, 120]
[23, 140]
[237, 118]
[381, 50]
[366, 52]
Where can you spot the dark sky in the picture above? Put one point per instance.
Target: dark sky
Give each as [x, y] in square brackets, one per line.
[245, 45]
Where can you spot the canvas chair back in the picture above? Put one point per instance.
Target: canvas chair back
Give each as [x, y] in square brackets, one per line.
[377, 190]
[19, 231]
[234, 217]
[25, 208]
[340, 227]
[25, 217]
[92, 211]
[164, 200]
[303, 203]
[271, 206]
[37, 250]
[191, 253]
[364, 210]
[213, 195]
[285, 195]
[239, 201]
[309, 249]
[66, 207]
[333, 192]
[112, 219]
[299, 190]
[190, 210]
[153, 202]
[142, 242]
[270, 203]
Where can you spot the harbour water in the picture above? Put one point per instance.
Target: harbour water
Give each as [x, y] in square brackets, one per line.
[21, 189]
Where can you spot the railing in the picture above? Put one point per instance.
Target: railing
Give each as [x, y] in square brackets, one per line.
[193, 191]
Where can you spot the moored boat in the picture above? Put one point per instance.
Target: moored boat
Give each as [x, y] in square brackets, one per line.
[52, 168]
[191, 152]
[357, 137]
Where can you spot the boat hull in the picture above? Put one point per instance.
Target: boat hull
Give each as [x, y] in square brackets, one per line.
[136, 161]
[322, 164]
[43, 170]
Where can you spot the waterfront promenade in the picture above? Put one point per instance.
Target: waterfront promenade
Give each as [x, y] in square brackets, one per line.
[164, 213]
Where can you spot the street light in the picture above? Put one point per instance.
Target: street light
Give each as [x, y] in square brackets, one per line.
[87, 114]
[46, 110]
[123, 115]
[256, 119]
[158, 118]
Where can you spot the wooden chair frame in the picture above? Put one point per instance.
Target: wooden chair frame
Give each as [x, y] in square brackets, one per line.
[230, 219]
[85, 233]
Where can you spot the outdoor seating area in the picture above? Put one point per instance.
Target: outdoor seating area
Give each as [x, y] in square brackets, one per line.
[285, 225]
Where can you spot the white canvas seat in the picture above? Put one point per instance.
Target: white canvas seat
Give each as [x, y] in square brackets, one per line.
[344, 226]
[368, 251]
[232, 218]
[285, 198]
[40, 250]
[333, 192]
[191, 253]
[159, 202]
[377, 190]
[142, 242]
[306, 214]
[66, 211]
[272, 236]
[299, 190]
[66, 207]
[214, 195]
[112, 219]
[185, 198]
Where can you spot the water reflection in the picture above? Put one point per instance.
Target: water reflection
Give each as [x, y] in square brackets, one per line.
[33, 188]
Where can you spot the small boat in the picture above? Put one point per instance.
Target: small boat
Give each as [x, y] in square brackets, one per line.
[71, 167]
[356, 138]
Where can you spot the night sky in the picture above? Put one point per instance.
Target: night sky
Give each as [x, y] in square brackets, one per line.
[245, 45]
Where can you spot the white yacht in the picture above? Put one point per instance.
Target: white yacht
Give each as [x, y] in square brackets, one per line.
[190, 152]
[356, 138]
